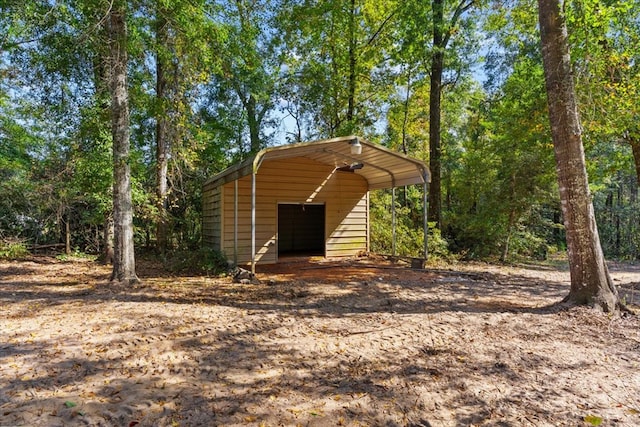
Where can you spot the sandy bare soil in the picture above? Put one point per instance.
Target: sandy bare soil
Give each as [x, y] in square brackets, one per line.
[362, 342]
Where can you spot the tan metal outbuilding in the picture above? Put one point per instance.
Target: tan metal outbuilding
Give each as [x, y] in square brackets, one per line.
[310, 198]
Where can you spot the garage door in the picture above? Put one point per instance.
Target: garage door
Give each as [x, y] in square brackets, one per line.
[301, 229]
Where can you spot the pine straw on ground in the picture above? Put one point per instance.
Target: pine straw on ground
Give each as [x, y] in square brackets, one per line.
[320, 343]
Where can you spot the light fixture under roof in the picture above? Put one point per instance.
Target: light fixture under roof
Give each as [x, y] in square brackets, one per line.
[356, 147]
[351, 168]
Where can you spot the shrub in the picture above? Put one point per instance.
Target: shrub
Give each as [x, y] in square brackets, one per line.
[12, 249]
[199, 261]
[409, 237]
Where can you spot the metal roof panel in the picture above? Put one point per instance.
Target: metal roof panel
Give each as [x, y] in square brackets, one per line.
[382, 168]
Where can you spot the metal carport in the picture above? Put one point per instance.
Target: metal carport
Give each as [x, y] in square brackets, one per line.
[380, 167]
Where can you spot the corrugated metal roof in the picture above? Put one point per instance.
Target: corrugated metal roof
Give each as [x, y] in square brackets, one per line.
[381, 167]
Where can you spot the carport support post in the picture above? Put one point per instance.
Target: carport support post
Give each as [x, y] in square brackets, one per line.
[393, 221]
[425, 222]
[235, 223]
[253, 222]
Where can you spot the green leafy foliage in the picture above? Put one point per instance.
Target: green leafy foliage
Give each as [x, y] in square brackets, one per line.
[409, 233]
[505, 175]
[593, 420]
[12, 249]
[335, 71]
[76, 254]
[606, 41]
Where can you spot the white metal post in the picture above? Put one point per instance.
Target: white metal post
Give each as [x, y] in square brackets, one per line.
[235, 223]
[253, 222]
[393, 221]
[425, 203]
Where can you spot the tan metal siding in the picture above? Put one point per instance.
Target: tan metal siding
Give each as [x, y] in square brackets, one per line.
[212, 217]
[297, 180]
[349, 234]
[265, 223]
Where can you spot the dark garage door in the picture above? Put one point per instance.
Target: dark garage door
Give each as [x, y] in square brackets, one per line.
[300, 229]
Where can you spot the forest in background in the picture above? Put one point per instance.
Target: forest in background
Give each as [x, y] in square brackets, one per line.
[211, 82]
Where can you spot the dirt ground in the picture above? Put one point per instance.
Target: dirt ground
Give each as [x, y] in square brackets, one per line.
[319, 343]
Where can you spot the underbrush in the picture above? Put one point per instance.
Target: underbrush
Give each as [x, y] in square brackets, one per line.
[13, 249]
[410, 242]
[196, 261]
[76, 254]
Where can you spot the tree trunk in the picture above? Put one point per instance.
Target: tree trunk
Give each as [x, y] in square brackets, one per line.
[435, 148]
[351, 90]
[616, 213]
[124, 257]
[635, 148]
[590, 280]
[405, 117]
[162, 131]
[67, 235]
[510, 225]
[435, 95]
[108, 240]
[441, 36]
[253, 120]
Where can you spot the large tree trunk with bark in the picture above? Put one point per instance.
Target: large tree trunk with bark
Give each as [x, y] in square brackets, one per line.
[124, 270]
[435, 95]
[435, 147]
[590, 280]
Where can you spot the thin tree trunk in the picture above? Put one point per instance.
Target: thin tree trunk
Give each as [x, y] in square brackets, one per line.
[634, 221]
[351, 102]
[512, 219]
[608, 214]
[253, 121]
[441, 36]
[405, 118]
[590, 280]
[124, 257]
[108, 240]
[616, 212]
[255, 114]
[298, 133]
[102, 77]
[294, 112]
[336, 121]
[162, 131]
[67, 236]
[635, 148]
[505, 251]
